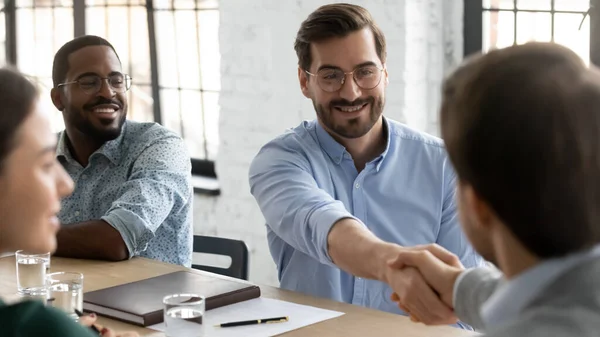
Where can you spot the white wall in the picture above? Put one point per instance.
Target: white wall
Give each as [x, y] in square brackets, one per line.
[260, 95]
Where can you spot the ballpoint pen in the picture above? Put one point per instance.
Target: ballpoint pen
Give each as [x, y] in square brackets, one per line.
[254, 321]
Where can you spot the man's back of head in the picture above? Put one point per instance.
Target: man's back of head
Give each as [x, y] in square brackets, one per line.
[522, 129]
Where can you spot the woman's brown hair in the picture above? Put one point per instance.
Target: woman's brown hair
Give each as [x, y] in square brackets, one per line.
[17, 97]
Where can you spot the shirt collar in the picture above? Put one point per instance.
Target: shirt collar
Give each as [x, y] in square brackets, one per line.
[334, 150]
[110, 149]
[386, 129]
[337, 151]
[513, 296]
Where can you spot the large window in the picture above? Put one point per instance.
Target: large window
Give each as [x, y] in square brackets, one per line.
[169, 47]
[500, 23]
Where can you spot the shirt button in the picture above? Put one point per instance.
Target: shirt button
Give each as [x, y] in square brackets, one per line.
[76, 213]
[84, 176]
[357, 185]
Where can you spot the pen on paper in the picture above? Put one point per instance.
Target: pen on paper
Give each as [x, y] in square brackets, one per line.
[254, 321]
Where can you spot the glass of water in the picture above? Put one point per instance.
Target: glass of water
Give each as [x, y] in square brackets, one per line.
[31, 273]
[183, 315]
[65, 292]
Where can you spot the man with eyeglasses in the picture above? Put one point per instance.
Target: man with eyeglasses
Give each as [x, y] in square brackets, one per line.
[133, 194]
[344, 194]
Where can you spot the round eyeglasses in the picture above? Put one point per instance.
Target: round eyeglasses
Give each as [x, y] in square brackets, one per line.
[332, 79]
[91, 84]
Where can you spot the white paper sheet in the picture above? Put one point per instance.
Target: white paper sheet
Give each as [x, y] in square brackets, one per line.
[299, 316]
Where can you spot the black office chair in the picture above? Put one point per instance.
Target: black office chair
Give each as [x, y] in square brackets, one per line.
[235, 249]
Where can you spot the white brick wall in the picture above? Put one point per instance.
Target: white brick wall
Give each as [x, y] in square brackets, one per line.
[261, 98]
[433, 46]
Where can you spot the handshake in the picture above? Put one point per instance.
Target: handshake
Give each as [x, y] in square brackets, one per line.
[422, 279]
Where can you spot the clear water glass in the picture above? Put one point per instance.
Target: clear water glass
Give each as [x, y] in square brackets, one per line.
[65, 292]
[31, 273]
[183, 315]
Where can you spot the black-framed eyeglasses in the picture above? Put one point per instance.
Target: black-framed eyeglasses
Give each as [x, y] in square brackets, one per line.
[331, 79]
[91, 84]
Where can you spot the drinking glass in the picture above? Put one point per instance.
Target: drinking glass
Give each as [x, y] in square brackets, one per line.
[31, 273]
[65, 291]
[183, 315]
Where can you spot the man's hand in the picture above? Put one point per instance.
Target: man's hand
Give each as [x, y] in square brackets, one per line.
[416, 297]
[356, 250]
[438, 269]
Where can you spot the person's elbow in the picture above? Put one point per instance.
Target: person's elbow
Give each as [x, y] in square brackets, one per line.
[119, 256]
[255, 171]
[118, 252]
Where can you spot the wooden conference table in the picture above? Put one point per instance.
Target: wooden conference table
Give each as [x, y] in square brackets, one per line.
[357, 321]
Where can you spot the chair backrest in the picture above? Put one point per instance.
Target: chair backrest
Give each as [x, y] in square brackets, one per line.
[235, 249]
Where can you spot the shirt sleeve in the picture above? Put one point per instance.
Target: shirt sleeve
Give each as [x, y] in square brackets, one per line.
[160, 180]
[451, 235]
[294, 206]
[472, 289]
[32, 318]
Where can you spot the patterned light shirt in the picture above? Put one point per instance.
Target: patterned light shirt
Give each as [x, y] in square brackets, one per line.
[304, 182]
[140, 183]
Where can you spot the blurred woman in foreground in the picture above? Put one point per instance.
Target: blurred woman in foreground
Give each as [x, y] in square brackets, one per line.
[32, 182]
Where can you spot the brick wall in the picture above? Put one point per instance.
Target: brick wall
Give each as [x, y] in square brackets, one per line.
[261, 97]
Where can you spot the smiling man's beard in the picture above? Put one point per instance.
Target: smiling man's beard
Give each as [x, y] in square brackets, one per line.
[350, 128]
[101, 135]
[79, 119]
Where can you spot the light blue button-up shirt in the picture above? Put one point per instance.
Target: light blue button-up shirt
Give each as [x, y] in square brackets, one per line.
[140, 183]
[304, 182]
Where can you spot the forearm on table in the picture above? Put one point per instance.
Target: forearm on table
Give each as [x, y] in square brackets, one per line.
[94, 239]
[353, 248]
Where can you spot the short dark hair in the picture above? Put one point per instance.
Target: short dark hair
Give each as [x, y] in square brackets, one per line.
[60, 66]
[335, 21]
[17, 98]
[521, 125]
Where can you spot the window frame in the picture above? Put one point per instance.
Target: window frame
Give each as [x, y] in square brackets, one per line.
[200, 167]
[473, 27]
